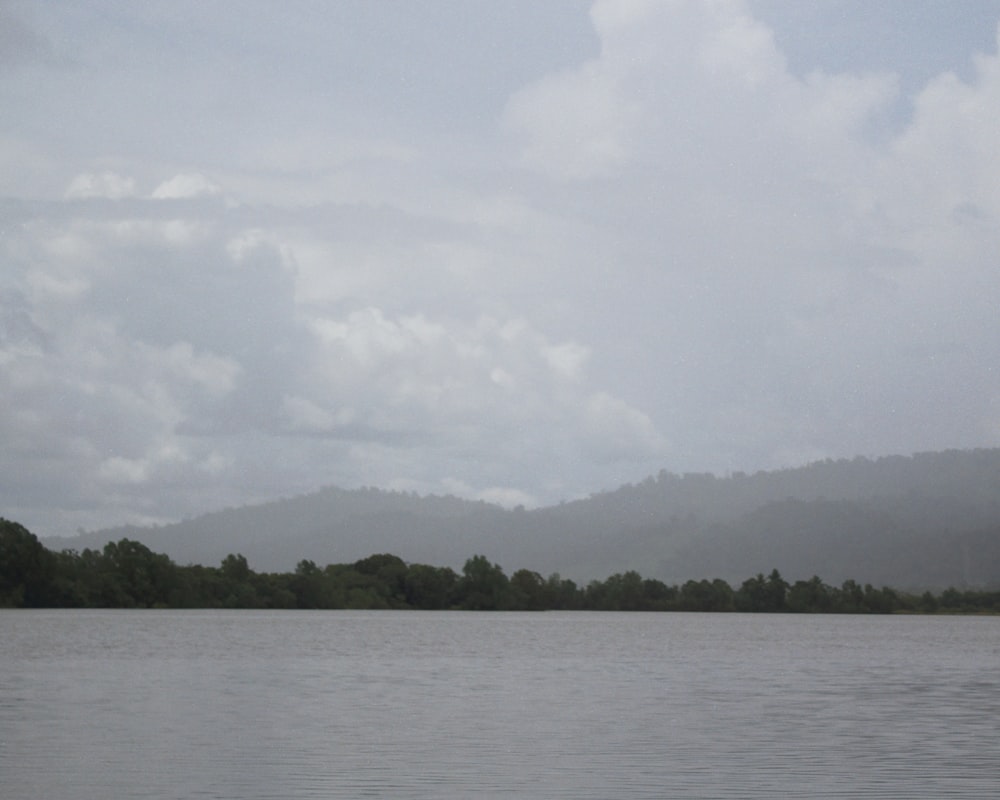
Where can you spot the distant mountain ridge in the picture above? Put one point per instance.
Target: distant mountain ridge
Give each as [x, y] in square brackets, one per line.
[929, 520]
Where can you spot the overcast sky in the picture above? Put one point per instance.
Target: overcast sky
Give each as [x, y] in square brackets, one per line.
[516, 251]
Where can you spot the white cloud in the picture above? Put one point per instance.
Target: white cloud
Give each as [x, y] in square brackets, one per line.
[163, 453]
[567, 358]
[67, 246]
[508, 497]
[576, 124]
[57, 287]
[369, 337]
[255, 240]
[104, 184]
[940, 183]
[503, 379]
[192, 184]
[618, 431]
[216, 375]
[496, 386]
[305, 415]
[446, 353]
[698, 91]
[216, 463]
[124, 470]
[177, 232]
[738, 45]
[662, 248]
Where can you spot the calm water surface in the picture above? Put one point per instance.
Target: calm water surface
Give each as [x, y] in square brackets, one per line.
[209, 704]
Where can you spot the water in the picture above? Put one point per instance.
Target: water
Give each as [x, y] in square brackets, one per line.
[210, 704]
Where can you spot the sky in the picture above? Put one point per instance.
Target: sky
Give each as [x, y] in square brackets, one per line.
[518, 251]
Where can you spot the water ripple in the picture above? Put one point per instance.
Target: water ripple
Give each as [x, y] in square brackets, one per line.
[408, 705]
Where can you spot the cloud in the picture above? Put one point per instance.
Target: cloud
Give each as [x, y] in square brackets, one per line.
[939, 175]
[442, 374]
[217, 376]
[662, 248]
[369, 338]
[123, 470]
[20, 43]
[304, 415]
[618, 431]
[567, 358]
[105, 184]
[576, 124]
[692, 92]
[508, 497]
[185, 185]
[191, 333]
[25, 168]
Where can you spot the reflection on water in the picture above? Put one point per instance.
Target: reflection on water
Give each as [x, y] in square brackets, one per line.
[162, 704]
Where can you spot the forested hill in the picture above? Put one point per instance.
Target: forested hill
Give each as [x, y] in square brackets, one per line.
[927, 521]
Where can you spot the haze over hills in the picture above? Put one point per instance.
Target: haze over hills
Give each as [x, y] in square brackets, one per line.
[930, 520]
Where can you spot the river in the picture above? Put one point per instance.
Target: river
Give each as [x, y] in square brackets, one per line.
[447, 705]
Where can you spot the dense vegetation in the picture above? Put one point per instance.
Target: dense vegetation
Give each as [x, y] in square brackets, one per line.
[127, 574]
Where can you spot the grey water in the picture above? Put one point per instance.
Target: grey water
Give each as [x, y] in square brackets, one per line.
[243, 704]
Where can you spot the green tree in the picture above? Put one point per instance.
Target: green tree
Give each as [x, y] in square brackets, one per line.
[310, 586]
[135, 575]
[623, 591]
[880, 601]
[659, 596]
[528, 591]
[850, 599]
[235, 568]
[762, 594]
[27, 569]
[430, 587]
[705, 595]
[562, 592]
[483, 585]
[388, 574]
[811, 596]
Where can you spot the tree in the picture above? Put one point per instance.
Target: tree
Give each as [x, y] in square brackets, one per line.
[762, 594]
[811, 596]
[562, 592]
[624, 592]
[850, 599]
[235, 568]
[236, 584]
[880, 601]
[777, 591]
[388, 574]
[659, 596]
[528, 591]
[27, 569]
[136, 575]
[308, 585]
[928, 603]
[483, 585]
[705, 595]
[429, 587]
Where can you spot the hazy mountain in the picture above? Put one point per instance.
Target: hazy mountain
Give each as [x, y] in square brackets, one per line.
[930, 520]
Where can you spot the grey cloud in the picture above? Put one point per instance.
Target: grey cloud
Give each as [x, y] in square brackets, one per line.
[672, 250]
[20, 43]
[17, 328]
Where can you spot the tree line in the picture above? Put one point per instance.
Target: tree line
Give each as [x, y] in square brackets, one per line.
[127, 574]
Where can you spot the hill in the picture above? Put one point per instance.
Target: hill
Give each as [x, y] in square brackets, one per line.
[930, 520]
